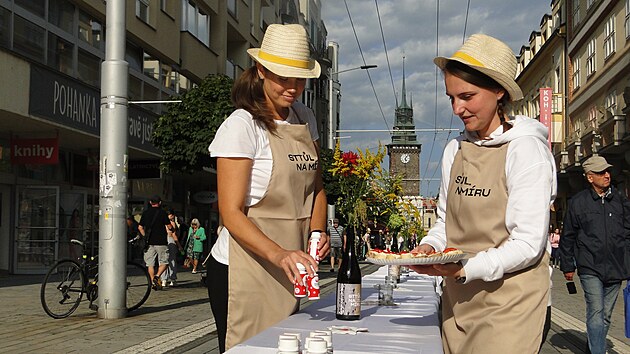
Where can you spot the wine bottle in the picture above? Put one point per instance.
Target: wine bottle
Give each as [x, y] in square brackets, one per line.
[349, 282]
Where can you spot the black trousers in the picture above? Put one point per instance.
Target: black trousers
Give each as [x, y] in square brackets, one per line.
[217, 280]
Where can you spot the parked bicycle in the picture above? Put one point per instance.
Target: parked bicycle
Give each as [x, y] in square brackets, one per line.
[67, 281]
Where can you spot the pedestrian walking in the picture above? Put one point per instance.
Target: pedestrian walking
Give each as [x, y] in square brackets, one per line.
[169, 277]
[266, 148]
[554, 240]
[153, 226]
[337, 234]
[194, 245]
[594, 238]
[495, 301]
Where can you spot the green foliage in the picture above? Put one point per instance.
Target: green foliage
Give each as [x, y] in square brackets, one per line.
[331, 182]
[187, 129]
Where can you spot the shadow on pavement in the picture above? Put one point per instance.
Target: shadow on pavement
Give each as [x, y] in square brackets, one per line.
[147, 309]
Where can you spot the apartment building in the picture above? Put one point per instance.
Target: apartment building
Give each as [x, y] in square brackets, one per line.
[582, 54]
[51, 52]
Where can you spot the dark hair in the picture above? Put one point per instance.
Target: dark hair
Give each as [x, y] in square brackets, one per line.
[248, 94]
[480, 79]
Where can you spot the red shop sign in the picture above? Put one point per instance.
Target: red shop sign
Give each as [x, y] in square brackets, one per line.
[35, 151]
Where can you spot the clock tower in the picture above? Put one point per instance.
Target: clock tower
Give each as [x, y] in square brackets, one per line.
[404, 150]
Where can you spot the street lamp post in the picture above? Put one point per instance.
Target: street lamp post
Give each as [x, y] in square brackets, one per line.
[332, 79]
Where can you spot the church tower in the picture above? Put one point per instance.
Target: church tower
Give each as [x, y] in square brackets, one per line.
[404, 150]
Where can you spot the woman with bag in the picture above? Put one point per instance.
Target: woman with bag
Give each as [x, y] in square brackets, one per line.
[194, 245]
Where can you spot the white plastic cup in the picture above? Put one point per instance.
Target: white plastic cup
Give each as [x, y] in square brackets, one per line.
[288, 343]
[327, 338]
[317, 345]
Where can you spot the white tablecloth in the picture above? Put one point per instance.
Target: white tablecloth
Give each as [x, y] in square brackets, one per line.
[410, 326]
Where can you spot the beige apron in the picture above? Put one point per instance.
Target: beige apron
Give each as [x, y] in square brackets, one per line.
[260, 294]
[502, 316]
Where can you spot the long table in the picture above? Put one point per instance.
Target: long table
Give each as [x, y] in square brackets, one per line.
[409, 326]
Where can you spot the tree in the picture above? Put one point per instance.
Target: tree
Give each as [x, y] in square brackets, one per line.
[186, 130]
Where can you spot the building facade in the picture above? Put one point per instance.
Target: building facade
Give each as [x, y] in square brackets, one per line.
[581, 53]
[51, 52]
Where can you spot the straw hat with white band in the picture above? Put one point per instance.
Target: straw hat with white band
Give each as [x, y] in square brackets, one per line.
[491, 57]
[285, 52]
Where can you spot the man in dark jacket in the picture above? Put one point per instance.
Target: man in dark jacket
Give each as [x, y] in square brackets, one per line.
[593, 239]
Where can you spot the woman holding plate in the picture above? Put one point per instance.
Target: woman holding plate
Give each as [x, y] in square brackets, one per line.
[498, 183]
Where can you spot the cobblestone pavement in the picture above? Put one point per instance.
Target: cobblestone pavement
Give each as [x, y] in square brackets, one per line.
[179, 320]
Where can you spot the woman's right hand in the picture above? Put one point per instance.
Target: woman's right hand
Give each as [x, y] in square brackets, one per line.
[287, 260]
[425, 249]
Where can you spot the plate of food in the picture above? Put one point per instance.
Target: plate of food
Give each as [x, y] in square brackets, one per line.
[383, 257]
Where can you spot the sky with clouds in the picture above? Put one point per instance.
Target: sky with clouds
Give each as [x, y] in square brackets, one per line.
[417, 30]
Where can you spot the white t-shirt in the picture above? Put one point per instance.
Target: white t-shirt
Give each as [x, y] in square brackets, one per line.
[241, 136]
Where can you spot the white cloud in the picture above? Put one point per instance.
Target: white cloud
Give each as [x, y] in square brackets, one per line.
[410, 28]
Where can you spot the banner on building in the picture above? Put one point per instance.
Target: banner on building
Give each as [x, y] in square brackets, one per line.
[35, 151]
[546, 101]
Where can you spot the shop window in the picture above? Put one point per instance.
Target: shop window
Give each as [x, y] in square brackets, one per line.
[90, 30]
[28, 39]
[135, 88]
[133, 56]
[89, 68]
[61, 14]
[60, 54]
[151, 66]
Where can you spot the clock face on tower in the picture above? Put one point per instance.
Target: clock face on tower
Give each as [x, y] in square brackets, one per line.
[404, 158]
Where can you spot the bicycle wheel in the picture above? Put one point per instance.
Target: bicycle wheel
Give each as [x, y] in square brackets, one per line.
[138, 285]
[62, 289]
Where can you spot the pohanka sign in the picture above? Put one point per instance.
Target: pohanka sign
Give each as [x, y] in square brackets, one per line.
[35, 151]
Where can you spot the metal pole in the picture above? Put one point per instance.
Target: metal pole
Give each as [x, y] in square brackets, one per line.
[112, 270]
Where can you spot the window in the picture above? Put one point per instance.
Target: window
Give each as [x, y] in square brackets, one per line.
[592, 118]
[611, 102]
[230, 68]
[576, 12]
[609, 37]
[61, 14]
[36, 7]
[151, 67]
[60, 54]
[589, 3]
[196, 21]
[576, 73]
[89, 68]
[5, 27]
[627, 21]
[90, 30]
[28, 39]
[590, 58]
[142, 10]
[231, 6]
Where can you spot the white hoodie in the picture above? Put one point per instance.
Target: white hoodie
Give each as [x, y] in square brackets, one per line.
[531, 186]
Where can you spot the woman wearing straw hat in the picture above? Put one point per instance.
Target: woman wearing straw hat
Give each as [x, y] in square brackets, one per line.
[270, 189]
[498, 183]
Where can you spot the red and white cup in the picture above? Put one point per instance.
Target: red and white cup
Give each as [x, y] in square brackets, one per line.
[299, 286]
[312, 287]
[313, 244]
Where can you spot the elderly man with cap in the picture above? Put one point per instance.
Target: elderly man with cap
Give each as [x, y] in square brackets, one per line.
[593, 240]
[153, 225]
